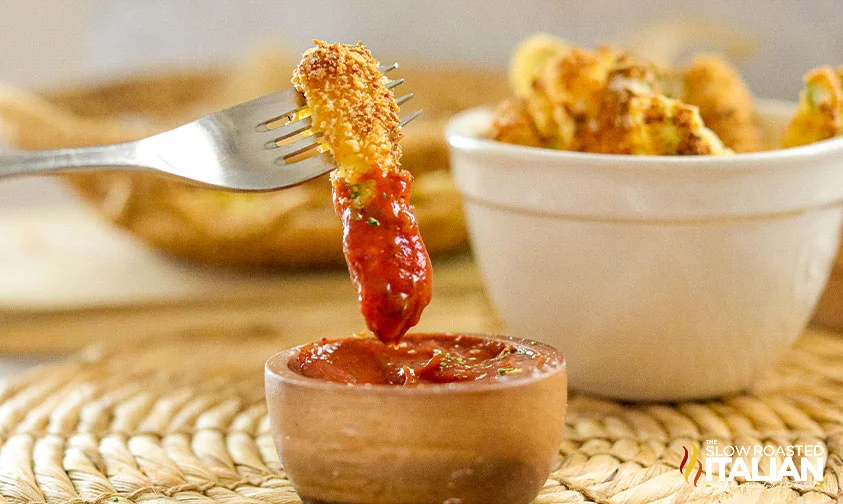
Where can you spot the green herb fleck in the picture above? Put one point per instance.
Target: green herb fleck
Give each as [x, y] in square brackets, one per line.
[373, 222]
[449, 360]
[383, 195]
[813, 94]
[506, 351]
[509, 370]
[481, 376]
[117, 499]
[354, 192]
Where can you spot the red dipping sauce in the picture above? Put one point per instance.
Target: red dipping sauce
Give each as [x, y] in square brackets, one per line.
[418, 358]
[384, 251]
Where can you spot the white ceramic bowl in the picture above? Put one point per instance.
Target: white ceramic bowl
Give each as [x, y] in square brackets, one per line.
[659, 278]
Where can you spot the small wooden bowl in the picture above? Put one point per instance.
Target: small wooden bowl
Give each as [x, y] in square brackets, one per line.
[483, 443]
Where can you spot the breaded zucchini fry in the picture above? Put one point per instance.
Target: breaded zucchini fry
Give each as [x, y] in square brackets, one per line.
[819, 115]
[358, 118]
[566, 92]
[660, 126]
[575, 79]
[725, 102]
[638, 121]
[529, 57]
[513, 124]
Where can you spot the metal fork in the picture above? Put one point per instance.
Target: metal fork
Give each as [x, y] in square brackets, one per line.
[260, 145]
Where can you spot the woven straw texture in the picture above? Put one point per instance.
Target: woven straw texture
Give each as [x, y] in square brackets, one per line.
[184, 420]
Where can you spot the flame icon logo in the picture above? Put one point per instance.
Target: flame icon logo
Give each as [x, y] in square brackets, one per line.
[686, 467]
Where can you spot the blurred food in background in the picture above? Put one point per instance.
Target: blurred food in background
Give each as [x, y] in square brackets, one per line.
[295, 227]
[612, 102]
[820, 112]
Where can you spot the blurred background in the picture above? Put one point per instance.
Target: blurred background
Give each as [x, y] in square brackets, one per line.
[54, 43]
[82, 72]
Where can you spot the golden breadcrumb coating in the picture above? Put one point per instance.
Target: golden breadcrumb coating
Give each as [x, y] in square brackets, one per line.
[513, 124]
[576, 79]
[725, 102]
[651, 124]
[565, 94]
[351, 106]
[819, 115]
[554, 124]
[529, 57]
[671, 127]
[630, 73]
[637, 119]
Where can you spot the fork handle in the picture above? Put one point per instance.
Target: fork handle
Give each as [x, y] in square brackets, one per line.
[45, 162]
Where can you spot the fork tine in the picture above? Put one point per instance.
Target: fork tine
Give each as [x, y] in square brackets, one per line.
[254, 111]
[388, 68]
[289, 131]
[304, 145]
[298, 148]
[307, 168]
[404, 99]
[395, 83]
[303, 148]
[410, 117]
[292, 114]
[280, 121]
[286, 134]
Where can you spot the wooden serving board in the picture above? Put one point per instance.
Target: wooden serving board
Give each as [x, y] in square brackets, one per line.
[68, 280]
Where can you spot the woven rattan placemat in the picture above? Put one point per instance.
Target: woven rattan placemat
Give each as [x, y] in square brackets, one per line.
[183, 419]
